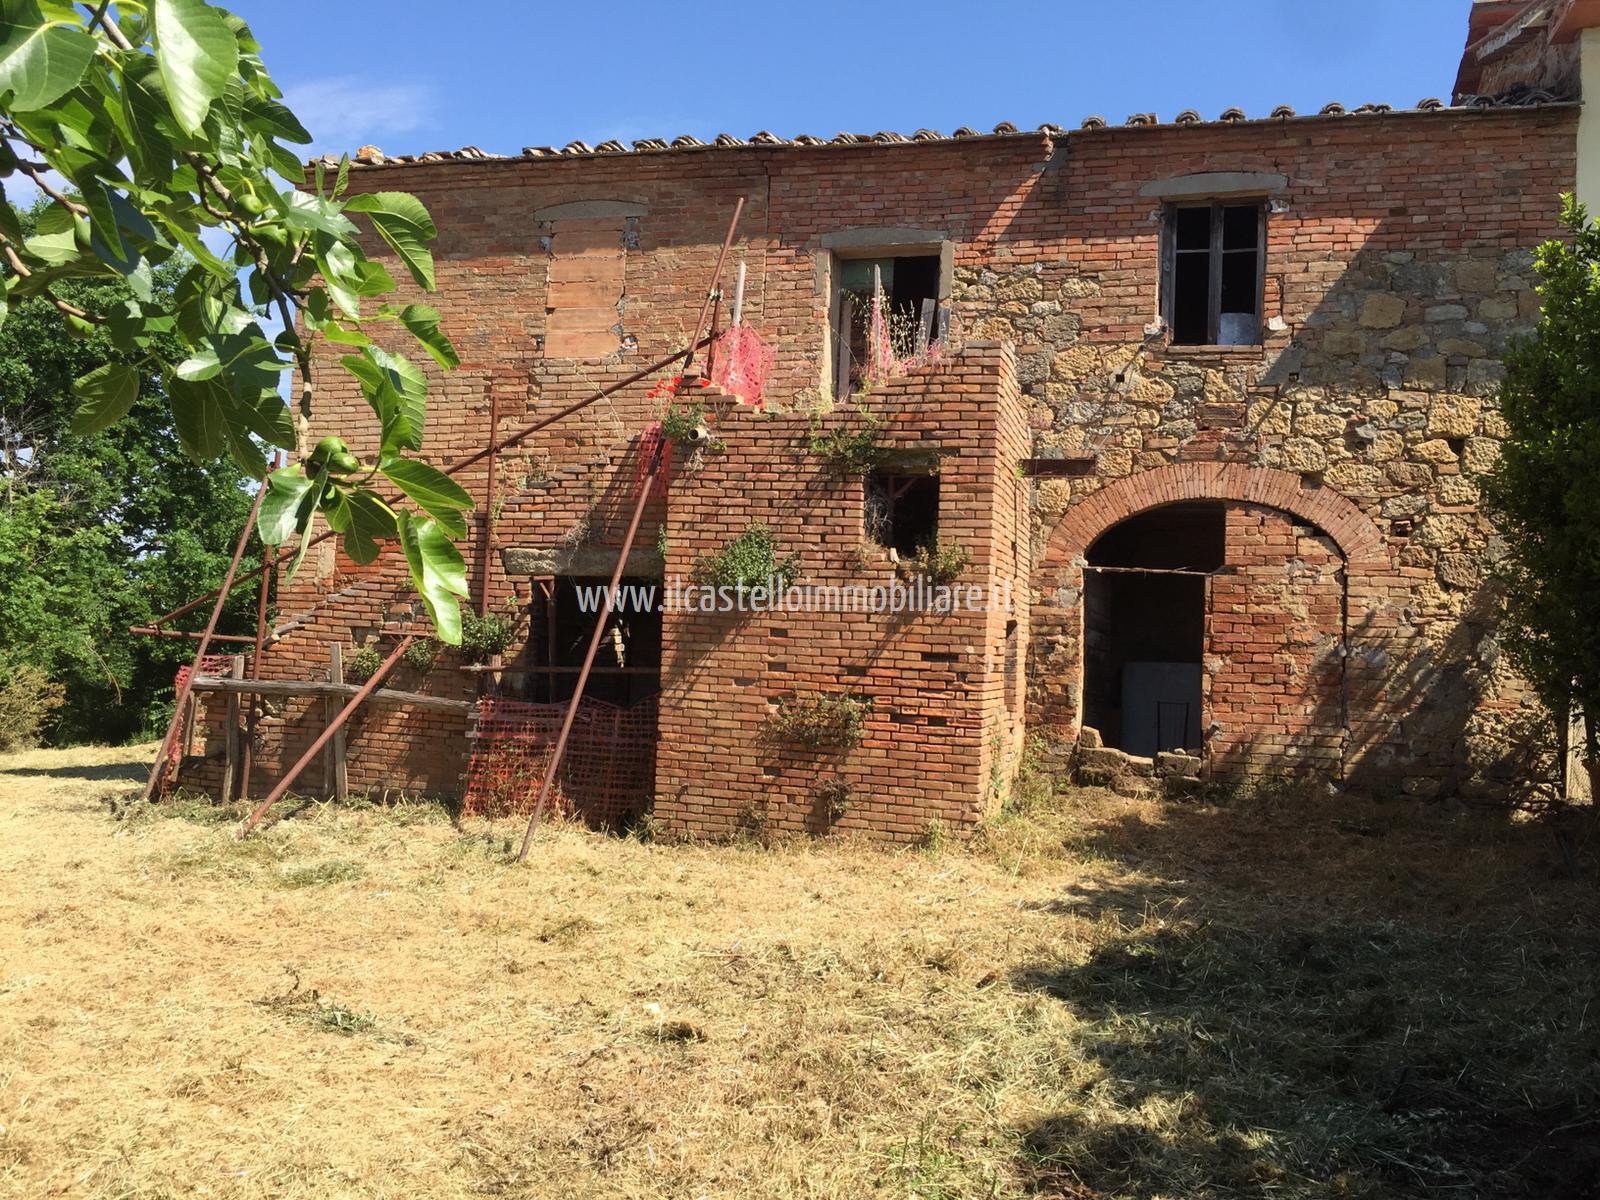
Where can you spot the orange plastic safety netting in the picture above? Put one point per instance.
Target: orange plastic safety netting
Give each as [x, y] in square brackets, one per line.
[607, 774]
[211, 664]
[740, 361]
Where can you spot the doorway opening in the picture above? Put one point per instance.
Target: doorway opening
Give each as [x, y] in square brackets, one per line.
[627, 668]
[1144, 627]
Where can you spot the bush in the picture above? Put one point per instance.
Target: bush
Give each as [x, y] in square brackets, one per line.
[484, 637]
[681, 422]
[821, 719]
[28, 699]
[849, 452]
[422, 654]
[940, 563]
[750, 559]
[363, 665]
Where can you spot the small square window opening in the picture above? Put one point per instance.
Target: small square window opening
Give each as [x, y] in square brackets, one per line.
[1213, 277]
[902, 511]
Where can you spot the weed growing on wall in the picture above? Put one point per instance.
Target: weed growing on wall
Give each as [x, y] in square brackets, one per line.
[940, 563]
[821, 719]
[850, 451]
[749, 561]
[484, 637]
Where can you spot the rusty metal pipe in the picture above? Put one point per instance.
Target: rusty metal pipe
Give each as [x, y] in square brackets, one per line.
[325, 737]
[711, 292]
[460, 465]
[595, 639]
[182, 697]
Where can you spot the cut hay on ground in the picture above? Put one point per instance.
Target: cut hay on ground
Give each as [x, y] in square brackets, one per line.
[1298, 997]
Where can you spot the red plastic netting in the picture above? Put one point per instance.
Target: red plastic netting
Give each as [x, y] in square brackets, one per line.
[182, 743]
[607, 775]
[884, 358]
[648, 441]
[740, 361]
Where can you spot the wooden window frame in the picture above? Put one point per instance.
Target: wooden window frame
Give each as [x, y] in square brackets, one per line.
[1214, 253]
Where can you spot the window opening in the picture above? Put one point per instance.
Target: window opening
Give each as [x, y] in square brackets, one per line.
[901, 511]
[1213, 274]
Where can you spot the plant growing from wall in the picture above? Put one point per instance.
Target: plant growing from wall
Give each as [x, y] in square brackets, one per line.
[484, 637]
[682, 422]
[849, 451]
[422, 655]
[363, 664]
[821, 719]
[1542, 491]
[940, 563]
[749, 561]
[834, 795]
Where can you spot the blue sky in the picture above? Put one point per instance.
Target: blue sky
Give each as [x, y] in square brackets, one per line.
[402, 75]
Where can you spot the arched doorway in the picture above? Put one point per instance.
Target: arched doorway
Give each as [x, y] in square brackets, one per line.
[1145, 602]
[1300, 622]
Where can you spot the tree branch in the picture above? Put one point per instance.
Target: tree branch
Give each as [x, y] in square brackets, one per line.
[23, 272]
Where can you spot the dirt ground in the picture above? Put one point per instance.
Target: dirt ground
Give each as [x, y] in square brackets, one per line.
[1281, 995]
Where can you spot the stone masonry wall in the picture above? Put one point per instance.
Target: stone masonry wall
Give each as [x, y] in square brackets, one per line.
[1398, 266]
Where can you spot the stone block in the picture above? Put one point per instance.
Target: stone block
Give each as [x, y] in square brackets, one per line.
[1426, 373]
[1435, 451]
[1383, 310]
[1454, 416]
[1477, 277]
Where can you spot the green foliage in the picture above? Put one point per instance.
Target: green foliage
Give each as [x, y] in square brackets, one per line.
[681, 422]
[103, 531]
[170, 136]
[363, 665]
[749, 561]
[940, 563]
[819, 719]
[28, 700]
[484, 637]
[422, 655]
[849, 452]
[1543, 491]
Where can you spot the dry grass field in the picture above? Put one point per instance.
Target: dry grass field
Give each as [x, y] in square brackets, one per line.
[1277, 996]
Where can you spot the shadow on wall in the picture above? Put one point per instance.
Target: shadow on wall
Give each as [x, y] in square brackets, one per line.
[1321, 998]
[1382, 395]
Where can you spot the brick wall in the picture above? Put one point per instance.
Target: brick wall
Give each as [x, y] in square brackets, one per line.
[939, 723]
[1398, 266]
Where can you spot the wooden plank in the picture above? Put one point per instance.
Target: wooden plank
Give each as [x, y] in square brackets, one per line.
[337, 768]
[841, 341]
[296, 687]
[230, 768]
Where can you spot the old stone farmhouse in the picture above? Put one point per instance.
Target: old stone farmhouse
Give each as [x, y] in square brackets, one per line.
[1212, 393]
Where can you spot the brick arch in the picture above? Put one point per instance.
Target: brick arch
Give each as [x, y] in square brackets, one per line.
[1351, 529]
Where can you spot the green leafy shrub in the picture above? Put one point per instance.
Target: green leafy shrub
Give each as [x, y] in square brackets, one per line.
[835, 719]
[423, 654]
[484, 637]
[681, 421]
[750, 559]
[363, 665]
[835, 796]
[848, 451]
[940, 563]
[28, 699]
